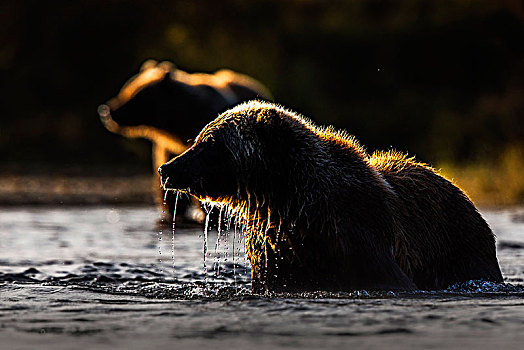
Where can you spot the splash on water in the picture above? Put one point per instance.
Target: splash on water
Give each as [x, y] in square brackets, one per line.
[145, 281]
[483, 287]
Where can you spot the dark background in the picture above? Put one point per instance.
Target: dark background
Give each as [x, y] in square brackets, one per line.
[443, 80]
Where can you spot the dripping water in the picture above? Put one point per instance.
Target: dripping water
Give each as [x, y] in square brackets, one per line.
[173, 234]
[265, 237]
[227, 223]
[244, 229]
[234, 262]
[160, 232]
[207, 209]
[216, 263]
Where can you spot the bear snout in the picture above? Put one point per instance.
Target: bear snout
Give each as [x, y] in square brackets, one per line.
[174, 176]
[164, 178]
[104, 111]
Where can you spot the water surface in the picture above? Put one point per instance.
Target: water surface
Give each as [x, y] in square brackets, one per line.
[105, 277]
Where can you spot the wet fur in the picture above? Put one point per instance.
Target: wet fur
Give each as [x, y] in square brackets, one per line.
[321, 214]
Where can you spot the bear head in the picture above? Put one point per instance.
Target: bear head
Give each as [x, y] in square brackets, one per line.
[249, 150]
[155, 98]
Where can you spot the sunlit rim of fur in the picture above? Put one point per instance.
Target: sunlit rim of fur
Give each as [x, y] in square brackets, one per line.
[329, 132]
[388, 159]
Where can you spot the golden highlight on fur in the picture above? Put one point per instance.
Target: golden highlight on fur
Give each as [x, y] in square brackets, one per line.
[152, 72]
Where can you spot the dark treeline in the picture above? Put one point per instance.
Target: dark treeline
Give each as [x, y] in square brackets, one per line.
[444, 80]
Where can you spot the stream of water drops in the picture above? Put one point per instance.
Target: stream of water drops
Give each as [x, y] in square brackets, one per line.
[216, 259]
[173, 234]
[207, 209]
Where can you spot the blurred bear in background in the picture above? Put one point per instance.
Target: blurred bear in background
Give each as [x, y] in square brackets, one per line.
[169, 106]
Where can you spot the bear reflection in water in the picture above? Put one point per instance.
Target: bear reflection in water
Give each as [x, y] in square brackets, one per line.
[169, 106]
[321, 214]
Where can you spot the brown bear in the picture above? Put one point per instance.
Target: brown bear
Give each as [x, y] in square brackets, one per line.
[168, 106]
[322, 214]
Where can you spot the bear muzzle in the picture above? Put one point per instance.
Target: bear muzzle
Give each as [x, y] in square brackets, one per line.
[164, 179]
[174, 175]
[104, 112]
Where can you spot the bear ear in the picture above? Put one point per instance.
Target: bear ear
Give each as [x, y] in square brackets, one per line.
[166, 77]
[167, 66]
[148, 64]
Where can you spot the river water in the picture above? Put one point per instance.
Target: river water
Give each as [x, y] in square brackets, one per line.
[106, 278]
